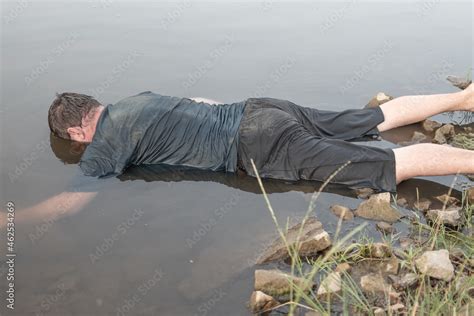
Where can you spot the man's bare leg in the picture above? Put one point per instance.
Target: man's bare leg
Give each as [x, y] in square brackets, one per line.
[432, 160]
[411, 109]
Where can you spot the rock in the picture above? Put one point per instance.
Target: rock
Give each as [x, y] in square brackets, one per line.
[385, 227]
[379, 311]
[364, 193]
[436, 264]
[470, 195]
[379, 99]
[260, 302]
[342, 211]
[418, 137]
[397, 308]
[374, 283]
[379, 250]
[343, 267]
[458, 82]
[394, 279]
[313, 238]
[449, 217]
[378, 207]
[277, 283]
[422, 205]
[407, 281]
[447, 199]
[391, 266]
[402, 202]
[430, 126]
[444, 134]
[415, 139]
[332, 284]
[394, 297]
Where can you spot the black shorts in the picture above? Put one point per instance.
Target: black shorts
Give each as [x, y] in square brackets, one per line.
[290, 142]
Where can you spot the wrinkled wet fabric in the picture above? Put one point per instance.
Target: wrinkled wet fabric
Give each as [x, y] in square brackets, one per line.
[286, 141]
[290, 142]
[153, 129]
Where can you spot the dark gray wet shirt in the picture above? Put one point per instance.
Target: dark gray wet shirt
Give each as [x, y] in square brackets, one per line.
[153, 129]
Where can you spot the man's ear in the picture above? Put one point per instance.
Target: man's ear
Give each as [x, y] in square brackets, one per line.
[76, 133]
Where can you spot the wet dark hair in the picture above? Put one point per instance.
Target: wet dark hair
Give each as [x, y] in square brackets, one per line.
[68, 110]
[68, 151]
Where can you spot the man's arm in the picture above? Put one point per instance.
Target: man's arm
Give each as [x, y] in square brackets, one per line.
[63, 204]
[206, 100]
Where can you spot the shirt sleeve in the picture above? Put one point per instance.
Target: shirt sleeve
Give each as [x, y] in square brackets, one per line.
[83, 183]
[98, 167]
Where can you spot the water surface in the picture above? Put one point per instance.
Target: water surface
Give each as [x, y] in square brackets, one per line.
[191, 239]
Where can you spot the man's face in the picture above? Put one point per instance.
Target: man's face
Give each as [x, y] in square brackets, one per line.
[86, 131]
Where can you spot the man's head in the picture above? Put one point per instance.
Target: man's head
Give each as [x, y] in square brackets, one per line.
[74, 116]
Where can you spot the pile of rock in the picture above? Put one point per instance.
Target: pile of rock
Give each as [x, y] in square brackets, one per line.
[383, 281]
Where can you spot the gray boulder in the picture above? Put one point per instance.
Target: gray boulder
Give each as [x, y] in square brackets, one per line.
[313, 238]
[436, 264]
[342, 211]
[260, 302]
[449, 217]
[444, 134]
[378, 208]
[277, 283]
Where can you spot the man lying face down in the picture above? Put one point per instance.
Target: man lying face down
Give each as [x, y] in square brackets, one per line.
[284, 140]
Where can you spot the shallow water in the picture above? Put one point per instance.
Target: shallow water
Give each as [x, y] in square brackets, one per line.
[190, 240]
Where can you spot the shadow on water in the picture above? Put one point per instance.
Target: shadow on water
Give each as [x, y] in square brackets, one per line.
[70, 153]
[243, 182]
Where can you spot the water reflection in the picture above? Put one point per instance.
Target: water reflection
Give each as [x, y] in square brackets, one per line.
[70, 153]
